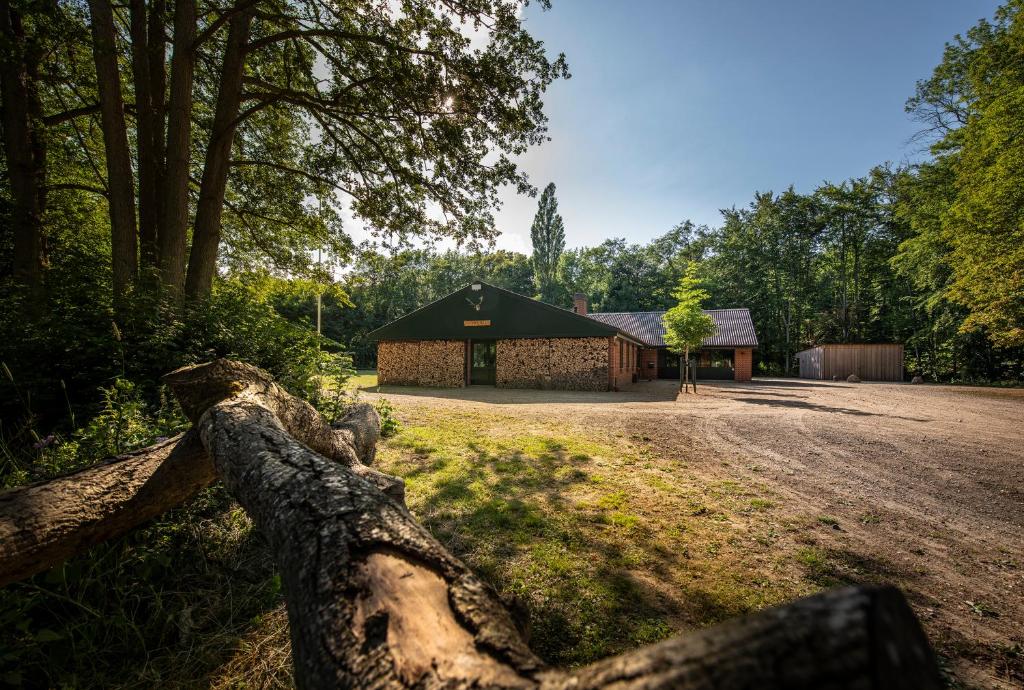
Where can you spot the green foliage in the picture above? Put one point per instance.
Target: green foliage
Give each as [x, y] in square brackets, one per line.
[548, 237]
[686, 325]
[389, 424]
[384, 286]
[966, 206]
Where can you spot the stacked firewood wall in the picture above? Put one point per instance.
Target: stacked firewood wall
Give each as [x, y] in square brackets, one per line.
[437, 363]
[443, 363]
[579, 364]
[523, 363]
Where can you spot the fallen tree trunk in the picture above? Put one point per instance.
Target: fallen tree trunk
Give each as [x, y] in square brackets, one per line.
[374, 601]
[44, 524]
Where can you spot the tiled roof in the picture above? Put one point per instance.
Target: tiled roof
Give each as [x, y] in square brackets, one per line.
[735, 328]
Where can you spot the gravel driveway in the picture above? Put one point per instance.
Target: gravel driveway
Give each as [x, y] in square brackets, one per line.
[923, 486]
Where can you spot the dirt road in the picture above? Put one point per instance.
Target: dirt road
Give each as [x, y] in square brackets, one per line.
[923, 486]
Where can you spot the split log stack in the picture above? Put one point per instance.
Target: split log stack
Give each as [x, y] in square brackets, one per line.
[374, 601]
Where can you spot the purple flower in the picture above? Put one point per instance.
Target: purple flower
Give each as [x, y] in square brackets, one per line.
[44, 442]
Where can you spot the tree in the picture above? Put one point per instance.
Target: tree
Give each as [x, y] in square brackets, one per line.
[267, 119]
[24, 147]
[548, 237]
[972, 107]
[686, 325]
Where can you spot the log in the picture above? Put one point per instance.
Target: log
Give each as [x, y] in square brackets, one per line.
[856, 637]
[372, 598]
[46, 523]
[352, 444]
[374, 601]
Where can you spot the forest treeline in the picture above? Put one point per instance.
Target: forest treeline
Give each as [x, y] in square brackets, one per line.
[840, 264]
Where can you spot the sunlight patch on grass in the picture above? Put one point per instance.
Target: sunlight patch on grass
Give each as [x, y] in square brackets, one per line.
[607, 544]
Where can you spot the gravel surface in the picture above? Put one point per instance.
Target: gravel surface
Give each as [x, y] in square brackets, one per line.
[925, 484]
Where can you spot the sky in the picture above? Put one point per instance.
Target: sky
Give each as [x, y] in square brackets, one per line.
[677, 109]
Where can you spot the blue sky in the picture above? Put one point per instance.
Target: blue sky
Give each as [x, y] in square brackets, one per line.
[677, 109]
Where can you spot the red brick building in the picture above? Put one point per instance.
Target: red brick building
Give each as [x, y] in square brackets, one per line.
[727, 355]
[485, 335]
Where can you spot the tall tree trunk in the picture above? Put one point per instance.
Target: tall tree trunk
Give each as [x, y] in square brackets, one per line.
[24, 148]
[145, 119]
[202, 262]
[179, 143]
[120, 184]
[157, 49]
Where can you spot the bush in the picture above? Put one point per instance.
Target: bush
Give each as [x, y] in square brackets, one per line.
[85, 366]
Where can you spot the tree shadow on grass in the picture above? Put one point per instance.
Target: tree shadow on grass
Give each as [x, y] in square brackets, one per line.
[592, 575]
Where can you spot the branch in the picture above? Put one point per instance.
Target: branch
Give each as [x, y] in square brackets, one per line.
[374, 601]
[58, 118]
[219, 22]
[43, 524]
[336, 34]
[79, 186]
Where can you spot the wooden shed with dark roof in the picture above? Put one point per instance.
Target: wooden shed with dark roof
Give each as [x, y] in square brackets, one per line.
[485, 335]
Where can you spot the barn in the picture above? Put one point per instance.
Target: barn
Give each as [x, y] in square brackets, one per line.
[868, 361]
[485, 335]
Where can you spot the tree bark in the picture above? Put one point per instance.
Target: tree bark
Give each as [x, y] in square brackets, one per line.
[157, 48]
[374, 601]
[46, 523]
[120, 181]
[175, 216]
[23, 146]
[202, 263]
[857, 637]
[145, 119]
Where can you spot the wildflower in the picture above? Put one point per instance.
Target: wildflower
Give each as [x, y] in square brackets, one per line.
[44, 442]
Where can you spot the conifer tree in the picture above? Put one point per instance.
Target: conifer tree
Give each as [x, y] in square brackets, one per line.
[548, 237]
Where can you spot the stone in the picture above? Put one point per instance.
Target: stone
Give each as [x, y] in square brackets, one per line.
[853, 378]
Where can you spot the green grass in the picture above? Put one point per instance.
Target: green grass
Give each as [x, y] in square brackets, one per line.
[596, 534]
[364, 378]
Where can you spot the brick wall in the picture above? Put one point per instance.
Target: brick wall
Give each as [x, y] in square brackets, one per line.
[743, 361]
[623, 362]
[648, 363]
[435, 363]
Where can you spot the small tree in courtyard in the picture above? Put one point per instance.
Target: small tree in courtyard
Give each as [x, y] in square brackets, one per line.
[686, 325]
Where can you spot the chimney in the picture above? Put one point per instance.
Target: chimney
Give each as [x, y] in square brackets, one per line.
[579, 303]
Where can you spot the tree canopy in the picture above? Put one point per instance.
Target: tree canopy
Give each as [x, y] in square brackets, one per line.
[686, 324]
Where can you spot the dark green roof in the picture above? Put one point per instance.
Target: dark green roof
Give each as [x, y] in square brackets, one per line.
[498, 313]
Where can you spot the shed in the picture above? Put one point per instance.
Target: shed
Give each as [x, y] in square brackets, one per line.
[869, 361]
